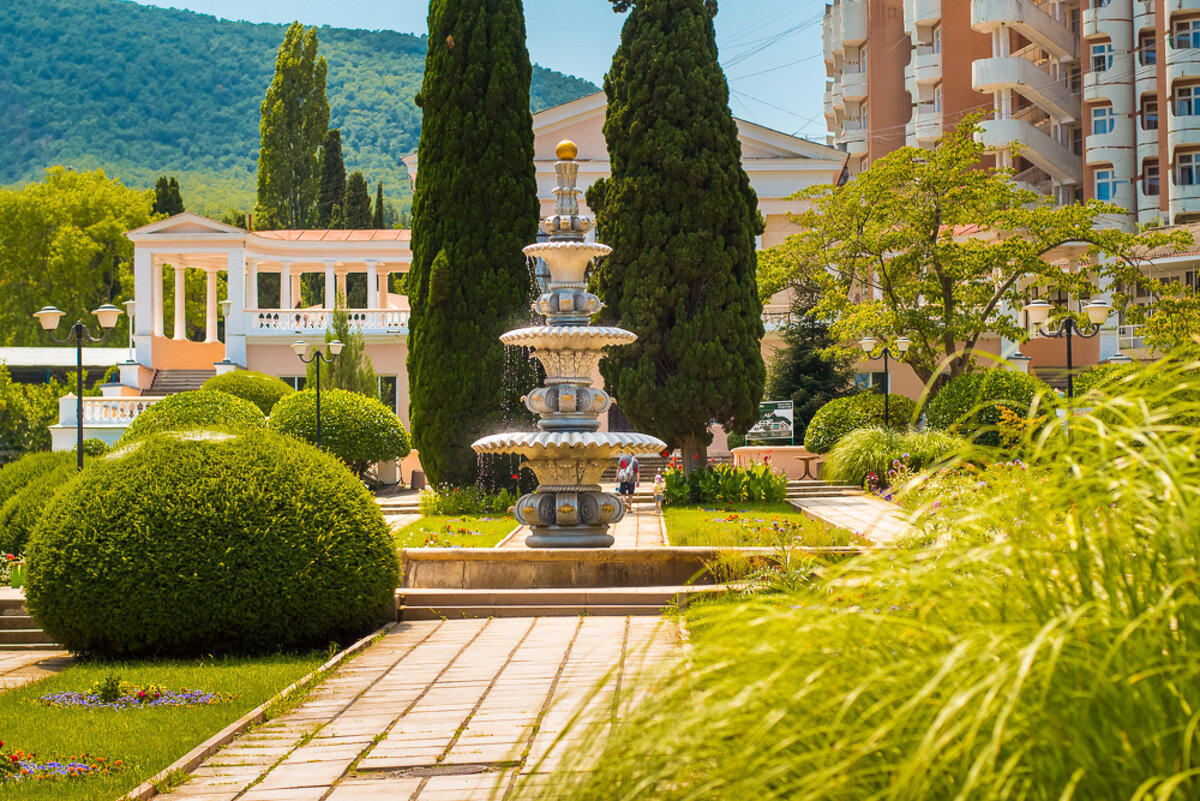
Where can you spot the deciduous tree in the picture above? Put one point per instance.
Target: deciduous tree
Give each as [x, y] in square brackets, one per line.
[681, 218]
[474, 208]
[295, 121]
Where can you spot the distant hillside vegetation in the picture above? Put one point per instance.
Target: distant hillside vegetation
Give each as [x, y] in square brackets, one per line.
[146, 91]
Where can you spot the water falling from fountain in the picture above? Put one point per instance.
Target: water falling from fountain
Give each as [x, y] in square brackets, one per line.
[568, 454]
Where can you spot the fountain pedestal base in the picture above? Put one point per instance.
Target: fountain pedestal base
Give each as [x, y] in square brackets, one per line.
[569, 517]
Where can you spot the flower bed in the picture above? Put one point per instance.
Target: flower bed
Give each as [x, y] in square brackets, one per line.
[751, 525]
[112, 693]
[19, 766]
[463, 531]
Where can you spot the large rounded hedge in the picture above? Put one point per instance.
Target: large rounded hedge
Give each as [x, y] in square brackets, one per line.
[209, 543]
[202, 408]
[15, 476]
[970, 405]
[263, 390]
[358, 430]
[840, 416]
[21, 513]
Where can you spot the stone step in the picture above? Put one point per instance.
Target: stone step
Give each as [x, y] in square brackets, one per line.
[12, 606]
[22, 637]
[30, 646]
[16, 622]
[433, 604]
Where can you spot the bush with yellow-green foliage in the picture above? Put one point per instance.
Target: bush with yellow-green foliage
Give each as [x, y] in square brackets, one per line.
[263, 390]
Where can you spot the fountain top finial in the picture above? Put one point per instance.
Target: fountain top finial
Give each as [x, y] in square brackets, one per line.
[566, 150]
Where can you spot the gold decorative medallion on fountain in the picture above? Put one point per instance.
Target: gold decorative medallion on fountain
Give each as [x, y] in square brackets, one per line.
[568, 453]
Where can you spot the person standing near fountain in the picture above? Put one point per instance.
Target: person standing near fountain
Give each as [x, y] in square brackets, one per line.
[628, 476]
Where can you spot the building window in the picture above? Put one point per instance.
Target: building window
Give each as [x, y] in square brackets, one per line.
[1150, 179]
[1186, 169]
[1102, 57]
[1187, 33]
[937, 98]
[1106, 185]
[1103, 120]
[296, 382]
[1150, 115]
[1189, 278]
[1147, 49]
[1185, 101]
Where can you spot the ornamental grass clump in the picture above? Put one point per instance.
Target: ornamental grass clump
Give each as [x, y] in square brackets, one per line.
[1044, 652]
[873, 451]
[183, 545]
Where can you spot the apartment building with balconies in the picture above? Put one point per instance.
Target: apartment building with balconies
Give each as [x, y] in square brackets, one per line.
[1084, 98]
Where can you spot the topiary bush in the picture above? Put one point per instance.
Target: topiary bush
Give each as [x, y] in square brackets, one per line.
[14, 476]
[263, 390]
[358, 430]
[20, 514]
[202, 408]
[971, 404]
[840, 416]
[189, 543]
[95, 447]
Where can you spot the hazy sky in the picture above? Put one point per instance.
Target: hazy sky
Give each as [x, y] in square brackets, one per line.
[770, 49]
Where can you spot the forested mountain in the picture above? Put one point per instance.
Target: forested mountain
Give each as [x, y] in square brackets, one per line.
[144, 91]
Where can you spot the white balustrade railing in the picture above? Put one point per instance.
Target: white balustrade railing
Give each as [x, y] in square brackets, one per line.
[291, 321]
[105, 411]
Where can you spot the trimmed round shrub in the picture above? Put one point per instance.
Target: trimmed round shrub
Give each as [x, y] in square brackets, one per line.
[202, 408]
[840, 416]
[95, 447]
[355, 428]
[971, 404]
[188, 543]
[872, 450]
[263, 390]
[1106, 376]
[26, 485]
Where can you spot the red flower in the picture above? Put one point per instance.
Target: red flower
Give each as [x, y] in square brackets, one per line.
[514, 476]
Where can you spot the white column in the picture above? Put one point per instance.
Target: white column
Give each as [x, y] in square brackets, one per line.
[143, 295]
[235, 326]
[330, 286]
[157, 299]
[251, 284]
[285, 285]
[210, 306]
[341, 287]
[180, 332]
[373, 284]
[297, 295]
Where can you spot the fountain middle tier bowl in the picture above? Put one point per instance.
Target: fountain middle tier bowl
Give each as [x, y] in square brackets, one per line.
[567, 261]
[568, 337]
[570, 444]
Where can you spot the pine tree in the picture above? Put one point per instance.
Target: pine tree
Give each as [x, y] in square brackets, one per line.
[377, 216]
[681, 218]
[167, 199]
[351, 369]
[357, 210]
[295, 120]
[474, 208]
[333, 178]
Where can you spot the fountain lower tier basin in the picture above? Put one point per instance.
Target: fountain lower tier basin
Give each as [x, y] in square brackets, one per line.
[568, 261]
[574, 445]
[568, 337]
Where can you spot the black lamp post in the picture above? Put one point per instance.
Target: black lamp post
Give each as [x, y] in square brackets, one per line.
[1097, 312]
[49, 317]
[301, 348]
[902, 344]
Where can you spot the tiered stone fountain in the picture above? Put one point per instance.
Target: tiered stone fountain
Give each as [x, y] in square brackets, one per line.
[568, 454]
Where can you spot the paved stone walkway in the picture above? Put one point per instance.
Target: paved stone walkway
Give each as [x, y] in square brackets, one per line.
[874, 518]
[454, 710]
[18, 668]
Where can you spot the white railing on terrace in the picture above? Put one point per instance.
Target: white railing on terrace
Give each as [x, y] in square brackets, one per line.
[105, 411]
[1129, 337]
[776, 317]
[283, 321]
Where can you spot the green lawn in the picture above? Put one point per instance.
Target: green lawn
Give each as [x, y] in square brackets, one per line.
[463, 531]
[750, 525]
[145, 740]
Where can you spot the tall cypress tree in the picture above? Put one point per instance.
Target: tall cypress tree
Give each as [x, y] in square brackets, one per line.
[167, 199]
[377, 215]
[681, 218]
[333, 178]
[474, 208]
[357, 210]
[295, 120]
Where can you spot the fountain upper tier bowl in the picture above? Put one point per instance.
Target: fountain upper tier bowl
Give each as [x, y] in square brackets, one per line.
[570, 444]
[568, 261]
[568, 337]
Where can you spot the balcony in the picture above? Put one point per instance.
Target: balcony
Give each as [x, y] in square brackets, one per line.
[1183, 64]
[921, 12]
[854, 84]
[927, 66]
[1147, 144]
[1147, 210]
[1029, 20]
[854, 21]
[1055, 159]
[1111, 84]
[1012, 72]
[927, 124]
[1185, 201]
[1105, 20]
[1145, 77]
[1124, 196]
[1114, 147]
[1182, 132]
[274, 324]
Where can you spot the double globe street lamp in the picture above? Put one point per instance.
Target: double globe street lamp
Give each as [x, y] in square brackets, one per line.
[301, 348]
[902, 344]
[49, 317]
[1097, 312]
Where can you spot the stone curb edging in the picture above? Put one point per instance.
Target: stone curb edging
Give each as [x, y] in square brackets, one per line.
[193, 759]
[511, 534]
